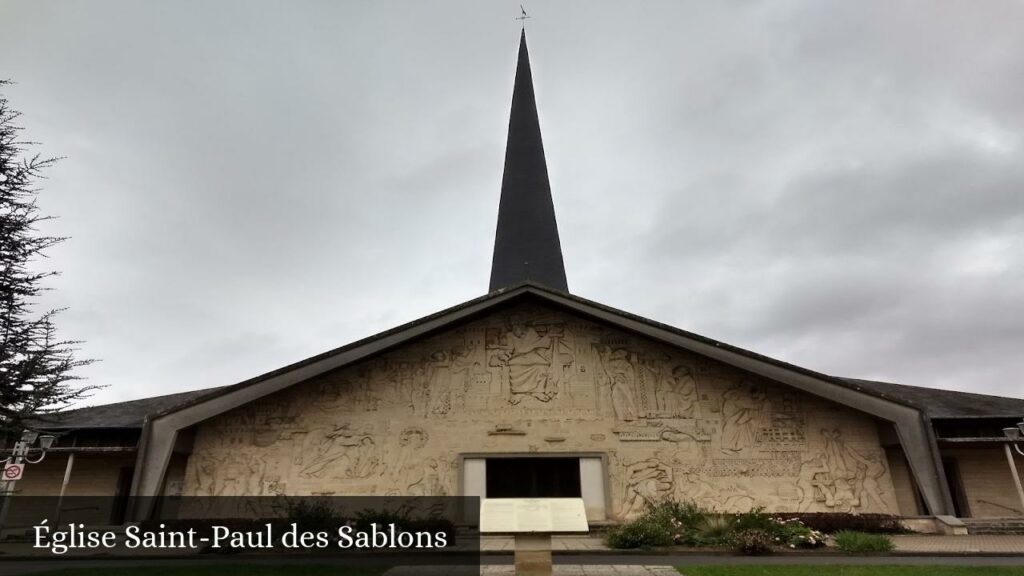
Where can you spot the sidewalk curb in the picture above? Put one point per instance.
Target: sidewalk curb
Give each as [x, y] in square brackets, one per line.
[569, 554]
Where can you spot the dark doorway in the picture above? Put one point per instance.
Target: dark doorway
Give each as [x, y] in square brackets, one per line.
[956, 488]
[124, 488]
[533, 478]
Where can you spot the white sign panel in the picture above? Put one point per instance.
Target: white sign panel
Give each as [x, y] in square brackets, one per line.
[537, 515]
[13, 472]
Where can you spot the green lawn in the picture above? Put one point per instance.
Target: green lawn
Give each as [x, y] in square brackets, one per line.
[238, 570]
[821, 570]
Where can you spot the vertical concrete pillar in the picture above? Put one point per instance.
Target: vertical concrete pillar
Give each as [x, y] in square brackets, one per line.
[533, 554]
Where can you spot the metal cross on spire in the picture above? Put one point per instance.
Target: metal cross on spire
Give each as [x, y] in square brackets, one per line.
[524, 16]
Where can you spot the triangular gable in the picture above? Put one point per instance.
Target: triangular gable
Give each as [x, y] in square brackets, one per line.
[915, 433]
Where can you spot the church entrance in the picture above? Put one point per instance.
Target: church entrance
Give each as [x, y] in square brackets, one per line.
[533, 478]
[538, 476]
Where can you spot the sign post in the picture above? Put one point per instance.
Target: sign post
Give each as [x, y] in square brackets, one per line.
[14, 466]
[13, 472]
[532, 521]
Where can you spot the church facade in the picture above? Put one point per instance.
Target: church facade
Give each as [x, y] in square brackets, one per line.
[533, 391]
[537, 395]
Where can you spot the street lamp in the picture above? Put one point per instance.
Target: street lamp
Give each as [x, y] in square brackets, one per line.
[1014, 436]
[22, 448]
[20, 455]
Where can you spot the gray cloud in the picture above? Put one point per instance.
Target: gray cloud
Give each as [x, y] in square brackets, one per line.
[838, 185]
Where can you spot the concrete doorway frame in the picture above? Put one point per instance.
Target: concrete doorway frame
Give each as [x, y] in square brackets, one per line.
[588, 459]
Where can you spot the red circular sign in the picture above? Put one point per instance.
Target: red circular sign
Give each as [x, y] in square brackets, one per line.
[12, 471]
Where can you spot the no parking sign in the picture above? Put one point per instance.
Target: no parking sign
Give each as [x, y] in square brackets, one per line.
[13, 472]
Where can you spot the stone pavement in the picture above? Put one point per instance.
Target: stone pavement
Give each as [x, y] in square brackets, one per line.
[509, 570]
[916, 544]
[970, 544]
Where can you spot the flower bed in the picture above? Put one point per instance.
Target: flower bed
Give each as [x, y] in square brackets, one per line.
[672, 523]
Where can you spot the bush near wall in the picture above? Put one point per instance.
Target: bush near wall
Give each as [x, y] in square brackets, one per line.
[686, 524]
[850, 541]
[832, 522]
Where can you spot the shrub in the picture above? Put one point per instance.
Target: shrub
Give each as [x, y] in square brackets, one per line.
[640, 533]
[686, 514]
[756, 519]
[662, 524]
[794, 534]
[687, 524]
[753, 542]
[832, 522]
[849, 541]
[713, 530]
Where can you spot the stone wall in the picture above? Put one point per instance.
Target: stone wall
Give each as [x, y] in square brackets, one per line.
[987, 482]
[903, 483]
[92, 474]
[534, 380]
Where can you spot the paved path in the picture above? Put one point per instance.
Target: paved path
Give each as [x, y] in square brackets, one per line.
[917, 544]
[960, 544]
[578, 565]
[559, 570]
[558, 543]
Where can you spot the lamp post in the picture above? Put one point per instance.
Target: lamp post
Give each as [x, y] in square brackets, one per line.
[1014, 436]
[21, 455]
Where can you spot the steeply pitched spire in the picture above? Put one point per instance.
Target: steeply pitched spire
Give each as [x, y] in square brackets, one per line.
[526, 245]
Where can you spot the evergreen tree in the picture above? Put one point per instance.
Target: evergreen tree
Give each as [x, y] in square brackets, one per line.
[36, 366]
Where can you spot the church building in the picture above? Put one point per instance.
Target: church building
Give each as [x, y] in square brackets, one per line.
[533, 391]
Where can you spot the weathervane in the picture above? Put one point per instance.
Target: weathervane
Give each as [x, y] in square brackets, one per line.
[524, 16]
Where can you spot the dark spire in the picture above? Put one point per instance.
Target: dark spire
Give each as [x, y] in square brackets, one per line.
[526, 245]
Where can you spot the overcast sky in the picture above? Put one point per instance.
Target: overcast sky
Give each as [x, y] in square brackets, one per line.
[835, 184]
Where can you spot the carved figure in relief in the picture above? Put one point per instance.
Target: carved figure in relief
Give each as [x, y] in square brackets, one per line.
[814, 483]
[647, 483]
[205, 472]
[407, 469]
[464, 367]
[868, 488]
[841, 478]
[741, 410]
[619, 372]
[256, 468]
[691, 487]
[241, 474]
[363, 461]
[418, 388]
[530, 358]
[320, 450]
[429, 482]
[676, 397]
[438, 387]
[855, 476]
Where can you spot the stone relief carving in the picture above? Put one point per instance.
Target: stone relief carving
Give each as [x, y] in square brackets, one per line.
[341, 452]
[408, 470]
[647, 482]
[842, 478]
[742, 407]
[676, 394]
[534, 358]
[534, 380]
[618, 372]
